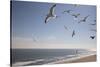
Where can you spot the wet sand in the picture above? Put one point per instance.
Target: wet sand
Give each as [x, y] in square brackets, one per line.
[91, 58]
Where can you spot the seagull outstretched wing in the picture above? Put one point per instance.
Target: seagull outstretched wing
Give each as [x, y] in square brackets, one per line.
[65, 27]
[47, 18]
[52, 9]
[92, 37]
[84, 19]
[73, 33]
[66, 11]
[76, 15]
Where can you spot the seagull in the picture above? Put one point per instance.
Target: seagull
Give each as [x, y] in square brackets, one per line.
[84, 19]
[68, 11]
[95, 20]
[51, 14]
[34, 38]
[73, 33]
[65, 27]
[76, 15]
[92, 37]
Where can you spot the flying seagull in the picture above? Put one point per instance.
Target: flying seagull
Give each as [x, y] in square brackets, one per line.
[84, 19]
[73, 33]
[76, 15]
[67, 11]
[92, 37]
[51, 14]
[65, 27]
[95, 19]
[34, 38]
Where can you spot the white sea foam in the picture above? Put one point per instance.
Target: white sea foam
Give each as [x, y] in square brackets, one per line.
[73, 58]
[47, 61]
[26, 62]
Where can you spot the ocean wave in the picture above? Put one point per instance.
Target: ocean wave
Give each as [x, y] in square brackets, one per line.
[52, 60]
[26, 62]
[42, 61]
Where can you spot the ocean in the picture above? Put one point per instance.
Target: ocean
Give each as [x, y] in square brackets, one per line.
[25, 57]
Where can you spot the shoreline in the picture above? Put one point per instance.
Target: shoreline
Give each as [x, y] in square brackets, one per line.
[78, 59]
[91, 58]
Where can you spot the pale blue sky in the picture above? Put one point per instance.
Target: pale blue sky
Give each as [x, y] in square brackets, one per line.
[28, 23]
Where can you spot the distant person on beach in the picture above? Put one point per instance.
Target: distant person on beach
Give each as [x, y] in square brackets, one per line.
[76, 52]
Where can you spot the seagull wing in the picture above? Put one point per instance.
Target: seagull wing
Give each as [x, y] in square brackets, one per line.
[86, 17]
[65, 27]
[34, 38]
[95, 20]
[68, 11]
[80, 21]
[52, 9]
[83, 19]
[73, 33]
[47, 18]
[78, 14]
[92, 37]
[64, 11]
[73, 15]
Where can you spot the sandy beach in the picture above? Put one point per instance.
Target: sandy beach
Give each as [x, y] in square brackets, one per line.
[91, 58]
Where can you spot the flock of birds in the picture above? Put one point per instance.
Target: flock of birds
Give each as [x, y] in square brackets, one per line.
[52, 15]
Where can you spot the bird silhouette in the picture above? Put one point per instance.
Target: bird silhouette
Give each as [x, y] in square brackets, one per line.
[76, 15]
[73, 33]
[84, 19]
[65, 27]
[95, 20]
[51, 14]
[92, 37]
[67, 11]
[34, 37]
